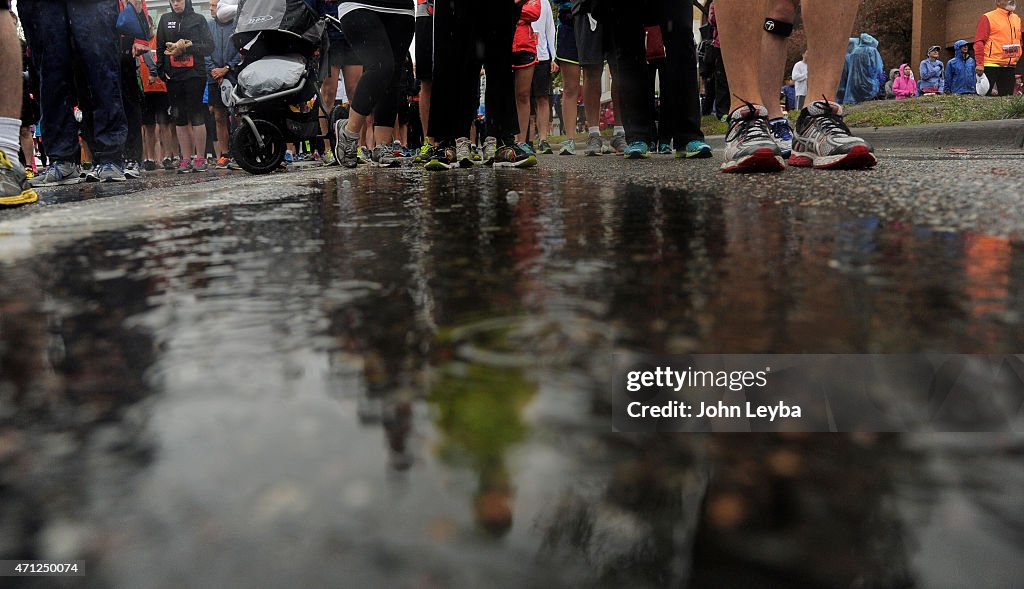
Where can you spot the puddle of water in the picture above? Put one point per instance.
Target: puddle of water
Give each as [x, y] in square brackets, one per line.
[403, 382]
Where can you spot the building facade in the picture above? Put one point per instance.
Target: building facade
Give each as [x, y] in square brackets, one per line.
[942, 22]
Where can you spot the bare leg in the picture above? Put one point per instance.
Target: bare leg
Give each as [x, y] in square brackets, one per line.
[592, 94]
[570, 96]
[28, 147]
[425, 88]
[739, 20]
[149, 142]
[10, 71]
[828, 24]
[773, 57]
[166, 140]
[328, 91]
[543, 117]
[524, 83]
[185, 142]
[220, 115]
[199, 139]
[383, 135]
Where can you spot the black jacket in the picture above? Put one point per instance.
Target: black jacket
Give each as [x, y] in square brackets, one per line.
[187, 25]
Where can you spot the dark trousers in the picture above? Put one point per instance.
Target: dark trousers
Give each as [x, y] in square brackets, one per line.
[131, 99]
[466, 36]
[56, 31]
[721, 82]
[1001, 79]
[635, 92]
[657, 73]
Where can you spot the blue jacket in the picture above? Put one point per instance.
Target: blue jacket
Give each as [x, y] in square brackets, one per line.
[865, 72]
[931, 74]
[224, 52]
[960, 73]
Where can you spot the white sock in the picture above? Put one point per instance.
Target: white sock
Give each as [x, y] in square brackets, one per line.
[350, 134]
[9, 134]
[593, 130]
[619, 130]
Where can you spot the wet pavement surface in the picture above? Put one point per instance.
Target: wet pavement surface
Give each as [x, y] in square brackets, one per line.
[400, 379]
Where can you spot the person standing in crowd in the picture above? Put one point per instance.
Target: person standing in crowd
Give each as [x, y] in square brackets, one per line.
[931, 72]
[821, 138]
[343, 67]
[542, 72]
[568, 61]
[524, 59]
[593, 53]
[380, 32]
[56, 32]
[800, 80]
[720, 77]
[905, 85]
[997, 46]
[893, 74]
[156, 129]
[425, 73]
[131, 90]
[960, 70]
[627, 35]
[29, 109]
[657, 73]
[221, 65]
[466, 36]
[866, 72]
[185, 38]
[14, 187]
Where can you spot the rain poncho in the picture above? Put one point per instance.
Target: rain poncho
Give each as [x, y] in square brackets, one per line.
[931, 75]
[866, 72]
[905, 85]
[960, 73]
[843, 79]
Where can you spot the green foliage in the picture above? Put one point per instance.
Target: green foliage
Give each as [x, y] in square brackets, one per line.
[934, 109]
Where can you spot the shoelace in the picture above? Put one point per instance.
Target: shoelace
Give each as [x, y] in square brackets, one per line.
[831, 122]
[751, 126]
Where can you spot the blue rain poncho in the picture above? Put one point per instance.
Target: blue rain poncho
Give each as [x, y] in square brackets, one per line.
[867, 74]
[843, 79]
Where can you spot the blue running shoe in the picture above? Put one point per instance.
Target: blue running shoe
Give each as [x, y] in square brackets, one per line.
[782, 135]
[637, 150]
[695, 149]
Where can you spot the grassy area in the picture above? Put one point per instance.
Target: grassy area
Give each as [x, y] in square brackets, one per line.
[915, 111]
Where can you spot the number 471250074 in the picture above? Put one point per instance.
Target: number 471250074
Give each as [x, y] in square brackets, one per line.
[43, 568]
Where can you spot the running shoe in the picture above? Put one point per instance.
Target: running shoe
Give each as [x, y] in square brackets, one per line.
[14, 187]
[637, 150]
[106, 172]
[58, 174]
[222, 162]
[665, 149]
[783, 135]
[545, 147]
[444, 158]
[363, 155]
[463, 153]
[185, 165]
[618, 143]
[424, 154]
[327, 159]
[528, 149]
[475, 150]
[695, 149]
[823, 140]
[346, 149]
[749, 146]
[383, 156]
[200, 164]
[167, 163]
[595, 145]
[513, 156]
[233, 165]
[288, 157]
[29, 174]
[131, 170]
[568, 148]
[148, 166]
[489, 150]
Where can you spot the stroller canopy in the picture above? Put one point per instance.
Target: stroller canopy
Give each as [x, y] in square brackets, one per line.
[295, 18]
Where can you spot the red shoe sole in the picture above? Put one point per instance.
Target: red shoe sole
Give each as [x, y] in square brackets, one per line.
[762, 160]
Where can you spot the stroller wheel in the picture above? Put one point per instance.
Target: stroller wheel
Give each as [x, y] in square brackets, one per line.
[248, 153]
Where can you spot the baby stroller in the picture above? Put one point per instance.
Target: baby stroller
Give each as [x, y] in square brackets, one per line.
[277, 99]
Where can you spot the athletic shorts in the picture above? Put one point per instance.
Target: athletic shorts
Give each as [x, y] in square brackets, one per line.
[523, 59]
[542, 79]
[565, 44]
[213, 95]
[424, 48]
[589, 42]
[154, 108]
[341, 54]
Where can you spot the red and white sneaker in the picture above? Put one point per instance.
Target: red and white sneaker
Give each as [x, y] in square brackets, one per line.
[749, 145]
[823, 141]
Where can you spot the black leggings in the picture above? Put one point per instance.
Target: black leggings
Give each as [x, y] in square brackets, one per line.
[186, 98]
[1002, 80]
[381, 42]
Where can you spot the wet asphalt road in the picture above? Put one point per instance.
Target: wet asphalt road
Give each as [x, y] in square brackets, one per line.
[397, 378]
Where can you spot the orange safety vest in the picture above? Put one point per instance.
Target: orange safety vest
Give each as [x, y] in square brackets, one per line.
[158, 85]
[1004, 32]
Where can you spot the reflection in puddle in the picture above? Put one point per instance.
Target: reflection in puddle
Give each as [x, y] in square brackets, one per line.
[405, 381]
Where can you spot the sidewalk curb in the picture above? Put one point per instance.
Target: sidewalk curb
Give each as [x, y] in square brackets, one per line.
[1003, 134]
